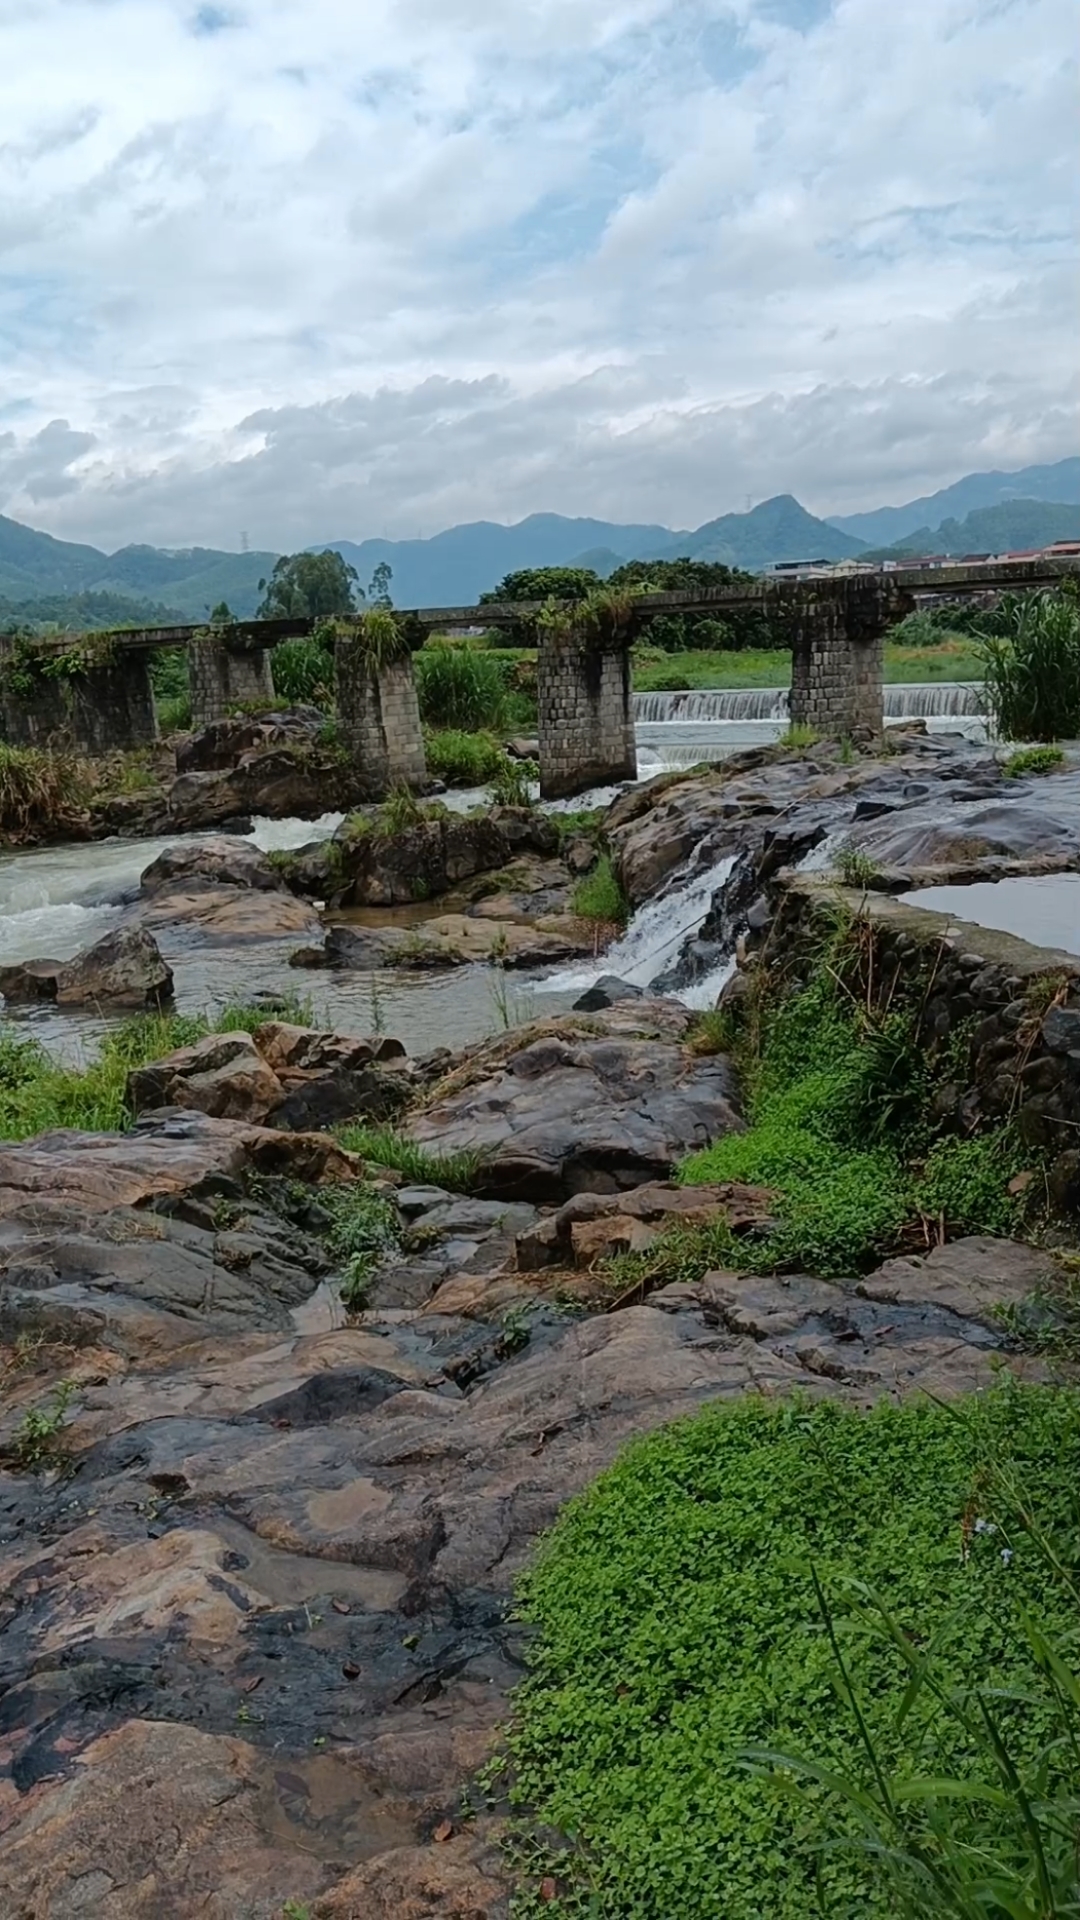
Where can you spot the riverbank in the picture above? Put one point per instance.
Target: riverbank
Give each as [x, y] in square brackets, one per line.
[284, 1412]
[656, 672]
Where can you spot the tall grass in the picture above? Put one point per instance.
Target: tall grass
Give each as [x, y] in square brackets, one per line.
[463, 759]
[598, 896]
[386, 1147]
[40, 791]
[462, 688]
[37, 1094]
[1031, 666]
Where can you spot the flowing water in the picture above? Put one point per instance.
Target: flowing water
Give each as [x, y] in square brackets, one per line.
[58, 900]
[708, 723]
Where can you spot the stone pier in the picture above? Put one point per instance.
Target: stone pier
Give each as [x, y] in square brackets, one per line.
[586, 725]
[106, 706]
[837, 655]
[225, 677]
[379, 719]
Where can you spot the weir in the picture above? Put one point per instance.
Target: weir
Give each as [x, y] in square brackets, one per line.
[919, 700]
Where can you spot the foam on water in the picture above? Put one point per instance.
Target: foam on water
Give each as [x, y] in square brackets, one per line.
[654, 936]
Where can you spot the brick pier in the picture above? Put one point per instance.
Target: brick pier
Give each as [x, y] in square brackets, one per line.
[379, 718]
[586, 727]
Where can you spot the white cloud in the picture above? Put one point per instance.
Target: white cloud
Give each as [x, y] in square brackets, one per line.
[316, 269]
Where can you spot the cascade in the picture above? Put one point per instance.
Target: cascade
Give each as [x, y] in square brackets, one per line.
[941, 699]
[654, 936]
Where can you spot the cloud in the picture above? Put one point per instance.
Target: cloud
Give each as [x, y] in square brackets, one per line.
[630, 257]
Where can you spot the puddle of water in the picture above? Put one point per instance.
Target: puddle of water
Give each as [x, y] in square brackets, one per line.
[317, 1802]
[1041, 908]
[293, 1579]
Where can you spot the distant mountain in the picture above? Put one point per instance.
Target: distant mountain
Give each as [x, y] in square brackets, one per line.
[454, 568]
[187, 582]
[1015, 525]
[778, 529]
[886, 525]
[82, 612]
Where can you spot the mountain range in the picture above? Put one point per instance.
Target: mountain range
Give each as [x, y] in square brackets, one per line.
[79, 585]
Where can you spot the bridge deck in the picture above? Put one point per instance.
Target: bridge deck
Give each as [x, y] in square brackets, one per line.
[771, 591]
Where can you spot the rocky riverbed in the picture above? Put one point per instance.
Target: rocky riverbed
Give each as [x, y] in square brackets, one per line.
[258, 1554]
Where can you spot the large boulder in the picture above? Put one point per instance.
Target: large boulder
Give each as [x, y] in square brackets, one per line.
[278, 784]
[584, 1104]
[289, 1076]
[224, 1075]
[124, 969]
[221, 861]
[365, 866]
[224, 742]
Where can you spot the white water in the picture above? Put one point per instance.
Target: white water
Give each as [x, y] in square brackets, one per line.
[654, 936]
[941, 699]
[57, 900]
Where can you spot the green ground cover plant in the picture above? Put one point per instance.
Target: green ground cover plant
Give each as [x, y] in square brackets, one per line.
[1028, 760]
[798, 1659]
[462, 759]
[839, 1097]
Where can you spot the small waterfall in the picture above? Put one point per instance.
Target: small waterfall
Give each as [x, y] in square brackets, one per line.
[654, 936]
[941, 699]
[934, 700]
[711, 704]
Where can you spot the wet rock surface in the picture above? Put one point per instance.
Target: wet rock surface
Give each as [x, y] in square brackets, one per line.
[258, 1634]
[583, 1103]
[125, 969]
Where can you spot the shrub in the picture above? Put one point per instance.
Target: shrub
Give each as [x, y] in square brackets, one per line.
[303, 670]
[1030, 760]
[364, 1227]
[706, 1600]
[463, 759]
[513, 783]
[1031, 667]
[855, 868]
[461, 688]
[598, 895]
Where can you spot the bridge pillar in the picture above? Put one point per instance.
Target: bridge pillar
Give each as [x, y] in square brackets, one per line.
[586, 725]
[103, 706]
[837, 657]
[224, 678]
[379, 719]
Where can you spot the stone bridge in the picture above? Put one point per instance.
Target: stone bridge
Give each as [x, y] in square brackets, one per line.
[93, 690]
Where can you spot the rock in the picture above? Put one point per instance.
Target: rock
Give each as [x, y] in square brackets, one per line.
[226, 916]
[289, 1076]
[125, 969]
[373, 868]
[164, 1156]
[971, 1277]
[224, 1075]
[581, 854]
[286, 1047]
[462, 1878]
[606, 992]
[278, 783]
[1061, 1029]
[591, 1224]
[214, 863]
[563, 1107]
[154, 1822]
[446, 940]
[224, 742]
[520, 748]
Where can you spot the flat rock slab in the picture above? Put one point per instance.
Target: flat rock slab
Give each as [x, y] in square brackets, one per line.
[585, 1104]
[974, 1278]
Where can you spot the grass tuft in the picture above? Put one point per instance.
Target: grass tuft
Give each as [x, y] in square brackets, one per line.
[599, 897]
[1029, 760]
[385, 1146]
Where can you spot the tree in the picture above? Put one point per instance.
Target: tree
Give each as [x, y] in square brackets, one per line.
[545, 583]
[378, 592]
[222, 615]
[701, 632]
[308, 586]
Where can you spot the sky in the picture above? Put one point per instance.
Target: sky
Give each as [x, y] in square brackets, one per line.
[304, 270]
